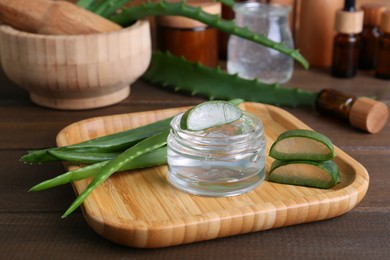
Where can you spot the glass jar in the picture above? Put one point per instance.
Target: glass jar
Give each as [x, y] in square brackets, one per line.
[225, 160]
[223, 38]
[193, 40]
[250, 60]
[347, 43]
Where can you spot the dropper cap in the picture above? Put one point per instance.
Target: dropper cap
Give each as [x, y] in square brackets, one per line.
[349, 20]
[369, 115]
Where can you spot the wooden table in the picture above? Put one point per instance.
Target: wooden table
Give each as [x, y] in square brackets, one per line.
[31, 226]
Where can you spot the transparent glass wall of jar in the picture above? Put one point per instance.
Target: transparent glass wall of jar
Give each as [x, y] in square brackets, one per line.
[250, 60]
[224, 160]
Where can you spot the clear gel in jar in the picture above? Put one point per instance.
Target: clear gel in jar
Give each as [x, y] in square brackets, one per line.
[220, 161]
[253, 61]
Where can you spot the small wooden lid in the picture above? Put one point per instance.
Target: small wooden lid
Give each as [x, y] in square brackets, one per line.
[385, 23]
[372, 13]
[369, 115]
[349, 22]
[207, 6]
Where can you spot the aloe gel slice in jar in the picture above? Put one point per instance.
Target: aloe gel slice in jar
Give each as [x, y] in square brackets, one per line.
[209, 114]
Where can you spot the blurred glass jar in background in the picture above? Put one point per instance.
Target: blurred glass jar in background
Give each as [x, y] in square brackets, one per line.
[195, 41]
[250, 60]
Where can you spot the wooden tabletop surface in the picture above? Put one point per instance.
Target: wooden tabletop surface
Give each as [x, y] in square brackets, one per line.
[31, 226]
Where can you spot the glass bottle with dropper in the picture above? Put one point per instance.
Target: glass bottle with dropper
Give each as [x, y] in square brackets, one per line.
[383, 58]
[370, 35]
[346, 47]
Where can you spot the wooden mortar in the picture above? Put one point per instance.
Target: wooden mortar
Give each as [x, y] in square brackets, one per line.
[84, 61]
[76, 71]
[52, 17]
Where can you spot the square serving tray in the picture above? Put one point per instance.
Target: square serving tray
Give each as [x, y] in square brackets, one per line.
[139, 208]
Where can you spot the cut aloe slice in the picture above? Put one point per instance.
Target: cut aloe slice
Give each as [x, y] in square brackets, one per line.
[305, 173]
[209, 114]
[301, 144]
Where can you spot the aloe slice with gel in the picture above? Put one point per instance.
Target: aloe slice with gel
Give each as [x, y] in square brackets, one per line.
[323, 174]
[209, 114]
[302, 144]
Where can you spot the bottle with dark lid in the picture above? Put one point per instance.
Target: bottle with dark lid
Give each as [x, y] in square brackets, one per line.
[383, 57]
[346, 47]
[363, 113]
[189, 38]
[370, 35]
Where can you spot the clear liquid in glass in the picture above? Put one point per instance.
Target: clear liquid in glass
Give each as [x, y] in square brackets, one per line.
[222, 161]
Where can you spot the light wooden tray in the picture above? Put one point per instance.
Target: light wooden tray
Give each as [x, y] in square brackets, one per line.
[141, 209]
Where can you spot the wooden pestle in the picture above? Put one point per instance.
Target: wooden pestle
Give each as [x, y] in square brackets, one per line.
[52, 17]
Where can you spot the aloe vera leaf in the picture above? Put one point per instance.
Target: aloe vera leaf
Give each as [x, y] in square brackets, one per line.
[113, 7]
[102, 7]
[181, 9]
[120, 140]
[108, 7]
[227, 2]
[323, 174]
[146, 145]
[85, 3]
[150, 159]
[95, 5]
[108, 143]
[176, 73]
[82, 157]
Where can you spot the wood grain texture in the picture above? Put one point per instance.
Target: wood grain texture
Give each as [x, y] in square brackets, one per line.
[141, 209]
[77, 71]
[45, 235]
[30, 223]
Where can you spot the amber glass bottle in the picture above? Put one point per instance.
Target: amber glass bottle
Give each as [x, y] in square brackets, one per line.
[189, 38]
[345, 55]
[333, 102]
[370, 35]
[364, 113]
[346, 47]
[383, 58]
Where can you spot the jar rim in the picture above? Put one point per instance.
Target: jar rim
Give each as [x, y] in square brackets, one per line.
[258, 126]
[256, 9]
